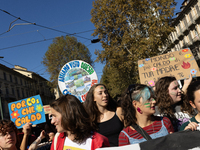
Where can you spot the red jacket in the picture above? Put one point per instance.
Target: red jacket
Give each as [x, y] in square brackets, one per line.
[98, 141]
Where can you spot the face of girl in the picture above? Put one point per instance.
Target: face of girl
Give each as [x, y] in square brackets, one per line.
[51, 136]
[8, 141]
[174, 91]
[148, 107]
[196, 103]
[56, 120]
[101, 96]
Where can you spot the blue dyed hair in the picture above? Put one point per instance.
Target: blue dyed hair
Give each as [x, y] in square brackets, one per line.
[145, 92]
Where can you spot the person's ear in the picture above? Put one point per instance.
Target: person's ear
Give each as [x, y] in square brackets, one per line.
[134, 103]
[192, 104]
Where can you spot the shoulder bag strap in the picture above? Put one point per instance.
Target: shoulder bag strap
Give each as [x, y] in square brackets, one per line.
[55, 140]
[142, 132]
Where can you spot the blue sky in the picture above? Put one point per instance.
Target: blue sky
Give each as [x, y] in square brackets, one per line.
[67, 16]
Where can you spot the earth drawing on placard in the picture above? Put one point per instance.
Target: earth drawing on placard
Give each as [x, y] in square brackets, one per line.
[77, 81]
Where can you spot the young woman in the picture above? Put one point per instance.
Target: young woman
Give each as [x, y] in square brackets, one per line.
[74, 125]
[193, 96]
[8, 135]
[138, 104]
[171, 100]
[104, 113]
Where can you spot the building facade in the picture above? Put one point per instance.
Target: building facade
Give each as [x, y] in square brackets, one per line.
[187, 29]
[18, 83]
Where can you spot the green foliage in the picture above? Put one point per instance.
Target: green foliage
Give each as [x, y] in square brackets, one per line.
[129, 31]
[61, 51]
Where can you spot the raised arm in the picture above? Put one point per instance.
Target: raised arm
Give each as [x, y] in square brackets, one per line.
[26, 130]
[34, 145]
[186, 84]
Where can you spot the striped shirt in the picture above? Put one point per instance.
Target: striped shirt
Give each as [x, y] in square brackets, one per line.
[150, 129]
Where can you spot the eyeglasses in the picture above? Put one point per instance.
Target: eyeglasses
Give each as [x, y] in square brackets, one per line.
[131, 88]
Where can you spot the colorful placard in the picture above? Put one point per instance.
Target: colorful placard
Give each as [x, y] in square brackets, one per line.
[47, 109]
[75, 78]
[27, 110]
[179, 64]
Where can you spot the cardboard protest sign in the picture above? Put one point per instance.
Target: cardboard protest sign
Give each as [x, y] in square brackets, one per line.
[47, 109]
[27, 110]
[179, 64]
[75, 78]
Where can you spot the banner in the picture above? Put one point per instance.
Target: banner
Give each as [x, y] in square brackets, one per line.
[179, 64]
[27, 110]
[184, 140]
[75, 78]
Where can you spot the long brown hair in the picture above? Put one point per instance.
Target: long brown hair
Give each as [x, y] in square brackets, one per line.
[164, 100]
[74, 117]
[134, 92]
[91, 107]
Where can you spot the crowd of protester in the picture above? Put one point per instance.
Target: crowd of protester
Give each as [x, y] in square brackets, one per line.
[144, 113]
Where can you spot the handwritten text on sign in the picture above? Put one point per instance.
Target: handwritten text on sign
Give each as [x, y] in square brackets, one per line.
[27, 110]
[179, 64]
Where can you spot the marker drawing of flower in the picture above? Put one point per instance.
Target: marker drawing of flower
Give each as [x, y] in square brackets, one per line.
[193, 71]
[187, 55]
[153, 69]
[184, 50]
[151, 83]
[141, 65]
[39, 108]
[15, 114]
[172, 58]
[147, 59]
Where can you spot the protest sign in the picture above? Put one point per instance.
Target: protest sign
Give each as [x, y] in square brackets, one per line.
[75, 78]
[27, 110]
[47, 109]
[179, 64]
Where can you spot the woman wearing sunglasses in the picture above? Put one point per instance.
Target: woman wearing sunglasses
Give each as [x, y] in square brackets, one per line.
[138, 105]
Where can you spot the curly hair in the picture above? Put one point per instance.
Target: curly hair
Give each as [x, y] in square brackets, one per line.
[8, 126]
[164, 101]
[74, 117]
[192, 88]
[93, 110]
[134, 92]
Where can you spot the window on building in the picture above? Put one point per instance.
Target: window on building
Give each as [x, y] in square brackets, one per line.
[18, 93]
[0, 89]
[4, 75]
[185, 22]
[21, 81]
[190, 37]
[11, 78]
[16, 81]
[190, 15]
[7, 90]
[23, 93]
[13, 90]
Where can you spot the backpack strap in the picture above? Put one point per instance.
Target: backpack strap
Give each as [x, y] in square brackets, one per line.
[141, 131]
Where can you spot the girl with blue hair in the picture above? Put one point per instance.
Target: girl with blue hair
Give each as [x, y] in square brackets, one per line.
[138, 105]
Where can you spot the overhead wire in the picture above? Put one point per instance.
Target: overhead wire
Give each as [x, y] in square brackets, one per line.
[37, 41]
[44, 26]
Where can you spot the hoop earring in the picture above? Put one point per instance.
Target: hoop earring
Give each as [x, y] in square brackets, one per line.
[139, 110]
